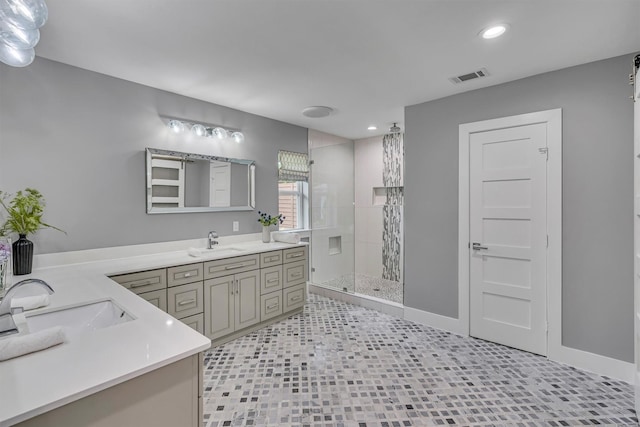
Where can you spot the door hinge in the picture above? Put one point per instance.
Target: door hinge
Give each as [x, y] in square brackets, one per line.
[545, 151]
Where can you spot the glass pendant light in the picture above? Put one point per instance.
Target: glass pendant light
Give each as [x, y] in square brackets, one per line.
[25, 14]
[16, 57]
[18, 38]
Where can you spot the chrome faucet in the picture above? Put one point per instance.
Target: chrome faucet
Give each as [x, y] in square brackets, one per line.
[7, 325]
[212, 240]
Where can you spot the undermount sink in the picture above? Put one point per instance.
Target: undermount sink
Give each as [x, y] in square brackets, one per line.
[80, 319]
[216, 250]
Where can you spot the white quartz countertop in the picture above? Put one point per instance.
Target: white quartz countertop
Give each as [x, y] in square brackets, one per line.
[39, 382]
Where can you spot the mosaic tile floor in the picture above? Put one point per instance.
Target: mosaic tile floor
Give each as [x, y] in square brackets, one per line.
[368, 285]
[338, 364]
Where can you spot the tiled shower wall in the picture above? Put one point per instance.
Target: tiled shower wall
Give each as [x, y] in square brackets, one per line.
[378, 208]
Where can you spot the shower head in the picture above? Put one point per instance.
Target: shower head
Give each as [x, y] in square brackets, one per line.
[395, 128]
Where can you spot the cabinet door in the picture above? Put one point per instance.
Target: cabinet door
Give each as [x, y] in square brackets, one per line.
[247, 299]
[219, 306]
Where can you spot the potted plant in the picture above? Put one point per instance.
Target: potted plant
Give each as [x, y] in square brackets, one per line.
[24, 217]
[267, 221]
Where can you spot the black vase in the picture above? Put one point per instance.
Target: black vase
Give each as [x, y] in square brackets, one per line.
[22, 255]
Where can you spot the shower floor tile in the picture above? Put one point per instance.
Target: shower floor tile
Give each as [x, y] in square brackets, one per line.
[368, 285]
[338, 364]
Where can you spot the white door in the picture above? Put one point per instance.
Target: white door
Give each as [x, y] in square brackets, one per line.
[508, 234]
[220, 188]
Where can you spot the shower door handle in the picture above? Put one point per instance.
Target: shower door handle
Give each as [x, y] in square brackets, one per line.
[478, 246]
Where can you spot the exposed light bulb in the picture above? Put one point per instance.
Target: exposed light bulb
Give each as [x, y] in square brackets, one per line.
[238, 137]
[176, 126]
[220, 133]
[198, 130]
[372, 127]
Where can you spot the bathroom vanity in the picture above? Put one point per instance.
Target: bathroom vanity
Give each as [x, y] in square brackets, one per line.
[147, 371]
[229, 296]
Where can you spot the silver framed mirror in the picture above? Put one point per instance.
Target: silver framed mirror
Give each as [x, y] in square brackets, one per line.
[178, 182]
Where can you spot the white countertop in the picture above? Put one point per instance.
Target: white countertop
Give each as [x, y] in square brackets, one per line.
[39, 382]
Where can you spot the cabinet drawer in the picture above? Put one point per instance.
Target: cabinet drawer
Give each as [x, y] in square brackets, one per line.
[195, 322]
[184, 274]
[185, 300]
[294, 273]
[270, 305]
[145, 281]
[294, 297]
[157, 298]
[270, 279]
[294, 254]
[224, 267]
[268, 259]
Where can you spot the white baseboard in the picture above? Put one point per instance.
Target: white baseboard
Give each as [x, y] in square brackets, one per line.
[594, 363]
[584, 360]
[433, 320]
[387, 307]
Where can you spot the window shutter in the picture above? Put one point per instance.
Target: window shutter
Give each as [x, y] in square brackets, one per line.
[293, 166]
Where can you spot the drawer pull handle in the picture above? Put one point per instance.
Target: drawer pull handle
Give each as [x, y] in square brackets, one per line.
[297, 298]
[233, 267]
[270, 307]
[298, 274]
[141, 284]
[187, 275]
[187, 301]
[298, 255]
[272, 280]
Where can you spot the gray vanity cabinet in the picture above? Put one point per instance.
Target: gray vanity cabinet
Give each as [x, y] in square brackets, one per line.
[231, 303]
[231, 295]
[150, 285]
[228, 297]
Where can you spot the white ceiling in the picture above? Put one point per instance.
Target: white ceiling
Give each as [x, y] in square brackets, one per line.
[367, 59]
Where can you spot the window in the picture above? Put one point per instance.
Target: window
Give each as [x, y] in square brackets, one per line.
[293, 200]
[293, 203]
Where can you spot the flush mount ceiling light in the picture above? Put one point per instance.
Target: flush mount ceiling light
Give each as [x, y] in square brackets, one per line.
[19, 33]
[317, 111]
[494, 31]
[372, 127]
[203, 130]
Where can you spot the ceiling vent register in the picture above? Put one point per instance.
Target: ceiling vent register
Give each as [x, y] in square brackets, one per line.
[482, 72]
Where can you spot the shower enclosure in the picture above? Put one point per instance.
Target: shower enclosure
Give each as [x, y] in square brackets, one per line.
[332, 211]
[356, 192]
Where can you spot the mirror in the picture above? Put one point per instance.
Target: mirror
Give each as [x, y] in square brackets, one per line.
[187, 182]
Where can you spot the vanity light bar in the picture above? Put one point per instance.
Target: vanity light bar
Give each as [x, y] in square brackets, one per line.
[205, 130]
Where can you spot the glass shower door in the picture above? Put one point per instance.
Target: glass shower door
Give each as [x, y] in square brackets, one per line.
[332, 215]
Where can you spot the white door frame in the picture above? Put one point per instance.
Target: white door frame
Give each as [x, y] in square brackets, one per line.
[553, 119]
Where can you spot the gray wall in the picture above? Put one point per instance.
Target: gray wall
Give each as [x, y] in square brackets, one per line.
[79, 138]
[597, 278]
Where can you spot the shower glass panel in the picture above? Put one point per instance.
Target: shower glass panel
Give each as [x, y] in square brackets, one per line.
[332, 212]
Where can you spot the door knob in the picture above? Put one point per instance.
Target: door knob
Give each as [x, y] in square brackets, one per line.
[477, 246]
